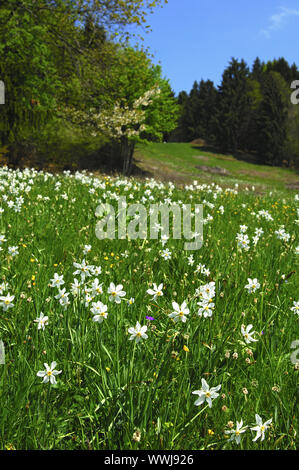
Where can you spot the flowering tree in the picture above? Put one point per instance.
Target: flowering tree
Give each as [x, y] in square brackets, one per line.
[139, 105]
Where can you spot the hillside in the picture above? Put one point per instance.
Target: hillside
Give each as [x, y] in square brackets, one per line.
[184, 162]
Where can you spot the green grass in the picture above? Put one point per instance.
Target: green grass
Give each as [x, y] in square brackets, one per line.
[111, 387]
[180, 160]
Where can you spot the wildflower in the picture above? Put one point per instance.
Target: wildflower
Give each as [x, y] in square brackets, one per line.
[87, 249]
[206, 393]
[6, 302]
[260, 427]
[179, 312]
[42, 321]
[49, 373]
[99, 311]
[116, 293]
[295, 307]
[57, 281]
[96, 287]
[156, 291]
[138, 332]
[247, 334]
[13, 250]
[253, 285]
[83, 269]
[235, 433]
[166, 254]
[131, 301]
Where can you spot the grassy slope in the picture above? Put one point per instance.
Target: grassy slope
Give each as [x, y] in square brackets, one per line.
[178, 161]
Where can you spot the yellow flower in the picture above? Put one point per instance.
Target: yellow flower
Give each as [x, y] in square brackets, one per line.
[210, 432]
[32, 278]
[185, 348]
[108, 369]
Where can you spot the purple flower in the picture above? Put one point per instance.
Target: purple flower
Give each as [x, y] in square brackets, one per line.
[149, 318]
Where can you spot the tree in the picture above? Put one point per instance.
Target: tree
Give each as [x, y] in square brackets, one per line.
[139, 105]
[272, 122]
[233, 106]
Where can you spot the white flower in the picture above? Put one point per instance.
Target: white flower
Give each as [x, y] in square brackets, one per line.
[179, 312]
[253, 285]
[96, 287]
[235, 433]
[206, 393]
[83, 269]
[13, 250]
[87, 249]
[156, 291]
[138, 332]
[116, 293]
[99, 311]
[57, 281]
[75, 287]
[166, 254]
[42, 321]
[49, 373]
[247, 334]
[260, 428]
[295, 307]
[205, 308]
[131, 301]
[6, 302]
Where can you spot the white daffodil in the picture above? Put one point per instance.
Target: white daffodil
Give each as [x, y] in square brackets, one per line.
[236, 433]
[295, 307]
[247, 334]
[96, 288]
[156, 291]
[99, 310]
[6, 302]
[253, 285]
[179, 312]
[260, 428]
[57, 281]
[138, 332]
[206, 394]
[116, 292]
[49, 374]
[42, 321]
[205, 309]
[83, 269]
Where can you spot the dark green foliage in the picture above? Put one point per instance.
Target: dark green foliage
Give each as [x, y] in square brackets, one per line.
[250, 111]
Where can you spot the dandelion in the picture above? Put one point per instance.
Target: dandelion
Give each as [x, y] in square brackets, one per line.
[49, 374]
[206, 394]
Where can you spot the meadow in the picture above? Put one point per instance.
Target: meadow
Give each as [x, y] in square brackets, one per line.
[139, 344]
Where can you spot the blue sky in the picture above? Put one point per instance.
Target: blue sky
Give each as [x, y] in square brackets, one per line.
[194, 39]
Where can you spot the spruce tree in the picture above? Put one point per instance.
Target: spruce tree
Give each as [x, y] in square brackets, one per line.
[271, 122]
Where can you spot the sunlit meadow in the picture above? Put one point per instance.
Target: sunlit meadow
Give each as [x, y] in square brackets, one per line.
[138, 344]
